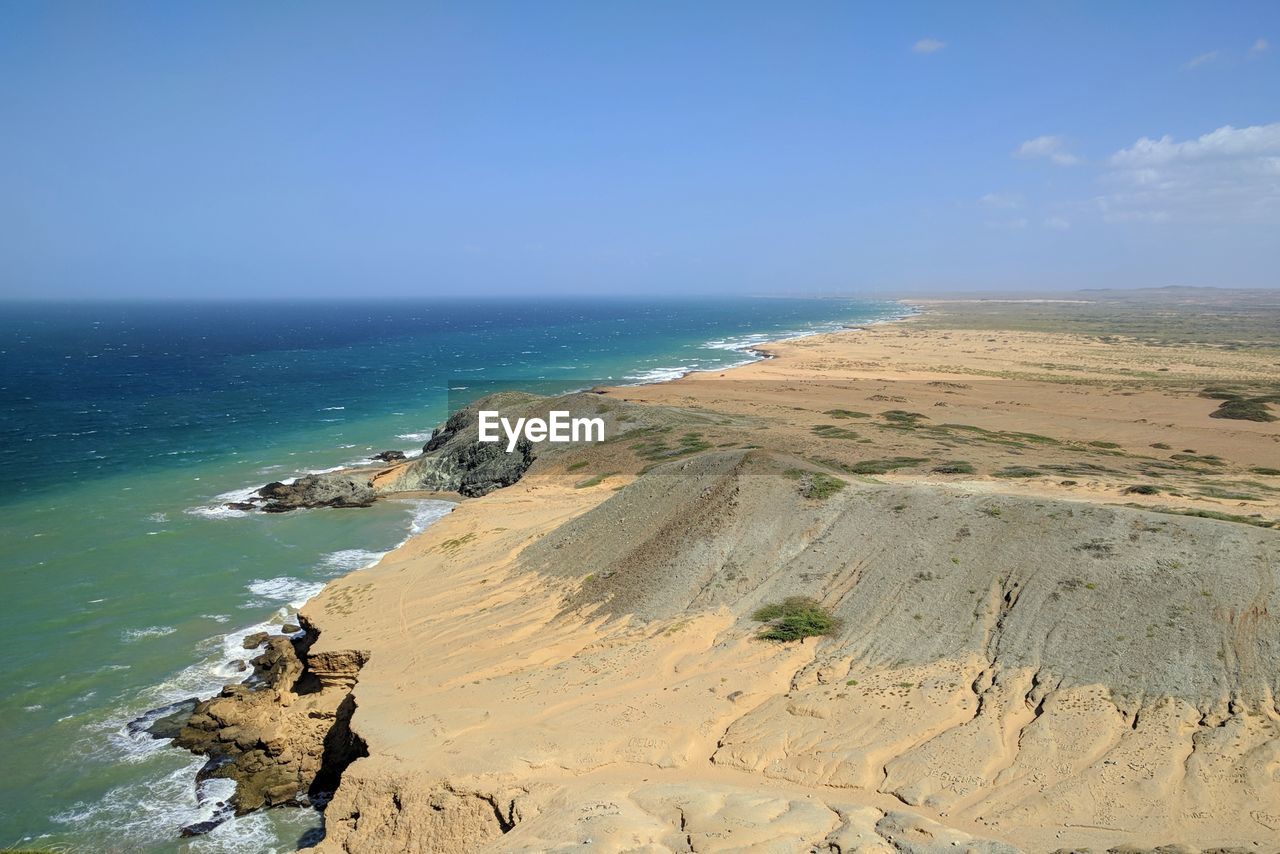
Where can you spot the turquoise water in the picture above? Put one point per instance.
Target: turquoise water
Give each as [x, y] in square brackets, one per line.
[128, 584]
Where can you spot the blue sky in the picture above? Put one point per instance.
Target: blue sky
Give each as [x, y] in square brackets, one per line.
[291, 149]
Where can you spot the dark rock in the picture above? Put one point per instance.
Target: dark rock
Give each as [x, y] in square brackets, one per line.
[166, 721]
[290, 629]
[241, 505]
[317, 490]
[239, 665]
[255, 640]
[200, 828]
[390, 456]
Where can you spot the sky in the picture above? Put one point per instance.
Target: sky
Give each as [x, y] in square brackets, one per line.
[289, 149]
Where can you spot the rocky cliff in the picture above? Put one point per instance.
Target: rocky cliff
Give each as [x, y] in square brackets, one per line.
[284, 734]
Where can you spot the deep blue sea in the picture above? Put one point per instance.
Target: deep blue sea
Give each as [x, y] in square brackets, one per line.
[125, 428]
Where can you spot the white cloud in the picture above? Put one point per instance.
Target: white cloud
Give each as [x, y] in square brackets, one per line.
[1200, 60]
[1000, 200]
[1057, 223]
[1228, 175]
[1260, 46]
[928, 46]
[1051, 147]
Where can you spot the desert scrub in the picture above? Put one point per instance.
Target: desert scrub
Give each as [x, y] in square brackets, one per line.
[885, 466]
[845, 413]
[901, 416]
[1018, 471]
[954, 467]
[795, 618]
[1248, 409]
[819, 487]
[594, 481]
[831, 431]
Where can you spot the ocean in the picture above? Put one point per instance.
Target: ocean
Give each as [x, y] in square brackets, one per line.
[129, 585]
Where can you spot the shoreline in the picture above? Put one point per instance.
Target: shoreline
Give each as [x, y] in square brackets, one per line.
[292, 611]
[548, 506]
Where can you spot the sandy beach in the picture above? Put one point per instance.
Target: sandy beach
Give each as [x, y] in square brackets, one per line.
[1029, 658]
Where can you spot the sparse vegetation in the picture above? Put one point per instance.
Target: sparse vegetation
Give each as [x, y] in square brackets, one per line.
[902, 417]
[795, 618]
[954, 467]
[1257, 521]
[845, 413]
[1017, 471]
[885, 466]
[593, 481]
[1244, 409]
[831, 431]
[1142, 489]
[580, 464]
[819, 487]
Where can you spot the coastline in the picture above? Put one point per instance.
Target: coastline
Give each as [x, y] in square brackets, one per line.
[381, 615]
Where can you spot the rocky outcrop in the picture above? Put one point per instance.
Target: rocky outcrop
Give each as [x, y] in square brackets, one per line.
[454, 460]
[390, 456]
[317, 490]
[284, 734]
[166, 721]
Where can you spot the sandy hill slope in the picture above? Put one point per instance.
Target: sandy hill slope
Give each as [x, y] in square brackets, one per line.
[552, 667]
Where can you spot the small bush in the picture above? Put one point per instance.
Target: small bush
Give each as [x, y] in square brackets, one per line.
[845, 413]
[901, 416]
[884, 466]
[819, 486]
[831, 431]
[1243, 410]
[1018, 471]
[795, 618]
[1264, 470]
[1142, 489]
[954, 467]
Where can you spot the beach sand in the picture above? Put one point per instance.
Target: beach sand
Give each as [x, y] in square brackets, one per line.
[1025, 662]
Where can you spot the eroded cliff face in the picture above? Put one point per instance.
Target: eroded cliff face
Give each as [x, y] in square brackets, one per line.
[558, 668]
[284, 735]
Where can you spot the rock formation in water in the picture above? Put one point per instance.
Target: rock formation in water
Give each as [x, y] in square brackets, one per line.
[284, 734]
[317, 490]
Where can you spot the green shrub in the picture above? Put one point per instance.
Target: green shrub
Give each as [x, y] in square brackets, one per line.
[1243, 410]
[1018, 471]
[831, 431]
[1142, 489]
[901, 416]
[795, 618]
[885, 466]
[954, 467]
[845, 413]
[819, 486]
